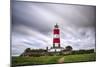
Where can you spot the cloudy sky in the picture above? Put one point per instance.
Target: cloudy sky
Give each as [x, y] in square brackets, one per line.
[33, 23]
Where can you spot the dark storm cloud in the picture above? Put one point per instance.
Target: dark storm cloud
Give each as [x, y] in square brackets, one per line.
[80, 17]
[28, 18]
[32, 25]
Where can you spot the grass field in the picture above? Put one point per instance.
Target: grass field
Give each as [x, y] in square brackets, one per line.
[52, 59]
[80, 58]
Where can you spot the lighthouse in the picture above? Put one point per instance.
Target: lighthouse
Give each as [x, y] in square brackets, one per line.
[56, 40]
[56, 36]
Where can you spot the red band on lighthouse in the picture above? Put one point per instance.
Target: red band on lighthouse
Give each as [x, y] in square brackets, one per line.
[56, 31]
[56, 40]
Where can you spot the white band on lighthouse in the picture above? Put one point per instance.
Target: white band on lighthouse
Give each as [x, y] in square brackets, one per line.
[56, 36]
[56, 28]
[56, 44]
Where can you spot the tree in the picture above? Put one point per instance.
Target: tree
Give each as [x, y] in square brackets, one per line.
[69, 48]
[27, 50]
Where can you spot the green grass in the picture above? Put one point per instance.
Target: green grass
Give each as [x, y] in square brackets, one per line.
[80, 58]
[52, 59]
[35, 60]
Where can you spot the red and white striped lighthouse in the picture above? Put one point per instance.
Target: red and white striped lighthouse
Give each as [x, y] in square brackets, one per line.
[56, 37]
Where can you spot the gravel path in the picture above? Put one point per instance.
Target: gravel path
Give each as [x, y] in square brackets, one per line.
[61, 60]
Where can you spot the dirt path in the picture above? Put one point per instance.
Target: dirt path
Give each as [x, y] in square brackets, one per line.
[61, 60]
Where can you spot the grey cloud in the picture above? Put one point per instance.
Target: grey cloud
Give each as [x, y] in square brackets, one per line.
[32, 25]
